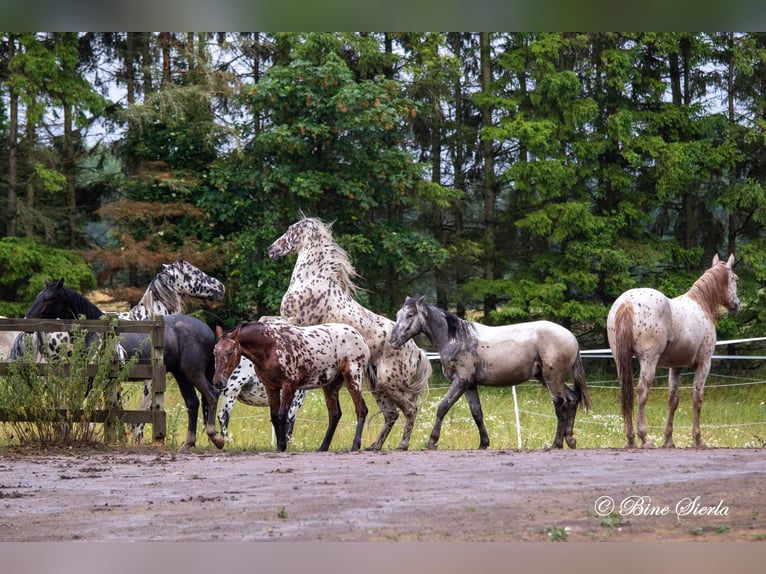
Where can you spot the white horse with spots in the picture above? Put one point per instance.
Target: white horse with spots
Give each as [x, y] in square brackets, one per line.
[321, 290]
[674, 333]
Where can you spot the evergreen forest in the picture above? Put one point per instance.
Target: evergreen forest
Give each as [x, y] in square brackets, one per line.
[507, 176]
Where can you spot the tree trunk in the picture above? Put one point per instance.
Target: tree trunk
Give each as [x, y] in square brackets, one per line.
[13, 120]
[69, 174]
[488, 184]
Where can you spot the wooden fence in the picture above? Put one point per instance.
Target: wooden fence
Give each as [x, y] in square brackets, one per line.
[152, 368]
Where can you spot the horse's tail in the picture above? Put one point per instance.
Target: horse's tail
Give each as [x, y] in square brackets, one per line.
[623, 356]
[581, 383]
[372, 375]
[422, 375]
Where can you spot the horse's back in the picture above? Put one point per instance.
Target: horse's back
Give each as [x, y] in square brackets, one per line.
[648, 310]
[529, 333]
[185, 337]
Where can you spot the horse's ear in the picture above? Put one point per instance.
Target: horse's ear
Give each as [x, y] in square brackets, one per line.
[235, 332]
[301, 215]
[421, 300]
[218, 332]
[715, 260]
[730, 262]
[60, 283]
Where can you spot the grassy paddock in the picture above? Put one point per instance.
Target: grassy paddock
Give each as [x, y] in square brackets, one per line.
[733, 415]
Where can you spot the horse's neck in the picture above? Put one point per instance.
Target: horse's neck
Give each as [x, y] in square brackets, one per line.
[157, 300]
[702, 292]
[312, 265]
[435, 327]
[254, 343]
[444, 328]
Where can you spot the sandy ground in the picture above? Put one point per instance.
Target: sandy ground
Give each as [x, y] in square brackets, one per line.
[149, 493]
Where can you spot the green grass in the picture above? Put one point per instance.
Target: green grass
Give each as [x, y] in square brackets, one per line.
[733, 415]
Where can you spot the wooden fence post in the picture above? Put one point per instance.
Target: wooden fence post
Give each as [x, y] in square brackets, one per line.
[159, 419]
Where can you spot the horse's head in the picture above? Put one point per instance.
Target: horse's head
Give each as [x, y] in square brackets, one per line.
[304, 232]
[51, 303]
[728, 289]
[227, 354]
[186, 279]
[409, 322]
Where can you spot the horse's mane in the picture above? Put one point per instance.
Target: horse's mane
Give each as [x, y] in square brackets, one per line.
[334, 256]
[82, 306]
[707, 290]
[160, 292]
[458, 329]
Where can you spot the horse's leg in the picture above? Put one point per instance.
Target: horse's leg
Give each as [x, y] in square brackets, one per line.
[472, 396]
[396, 385]
[293, 412]
[137, 430]
[332, 401]
[229, 396]
[570, 410]
[674, 376]
[285, 403]
[353, 380]
[700, 376]
[409, 408]
[191, 401]
[210, 404]
[645, 380]
[274, 393]
[390, 414]
[456, 390]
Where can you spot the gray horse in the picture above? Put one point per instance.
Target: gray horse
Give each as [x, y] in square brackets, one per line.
[473, 354]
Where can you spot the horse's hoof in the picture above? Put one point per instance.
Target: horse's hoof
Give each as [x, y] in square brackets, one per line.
[218, 441]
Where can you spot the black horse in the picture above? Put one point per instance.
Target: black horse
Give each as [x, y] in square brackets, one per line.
[55, 302]
[188, 352]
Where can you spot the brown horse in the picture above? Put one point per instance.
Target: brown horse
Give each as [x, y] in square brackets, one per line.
[674, 333]
[288, 358]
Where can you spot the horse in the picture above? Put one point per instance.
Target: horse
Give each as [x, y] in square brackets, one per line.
[673, 333]
[188, 351]
[288, 357]
[473, 354]
[322, 290]
[166, 295]
[244, 386]
[55, 301]
[7, 339]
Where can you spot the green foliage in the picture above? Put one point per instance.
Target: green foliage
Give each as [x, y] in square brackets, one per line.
[25, 264]
[49, 407]
[333, 145]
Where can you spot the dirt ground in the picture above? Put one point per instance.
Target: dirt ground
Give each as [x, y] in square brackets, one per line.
[152, 494]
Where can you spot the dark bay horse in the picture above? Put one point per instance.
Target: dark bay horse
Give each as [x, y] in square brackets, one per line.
[288, 358]
[167, 294]
[674, 333]
[188, 352]
[188, 356]
[473, 354]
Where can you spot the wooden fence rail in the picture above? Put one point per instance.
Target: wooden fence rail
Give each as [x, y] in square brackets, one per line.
[152, 368]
